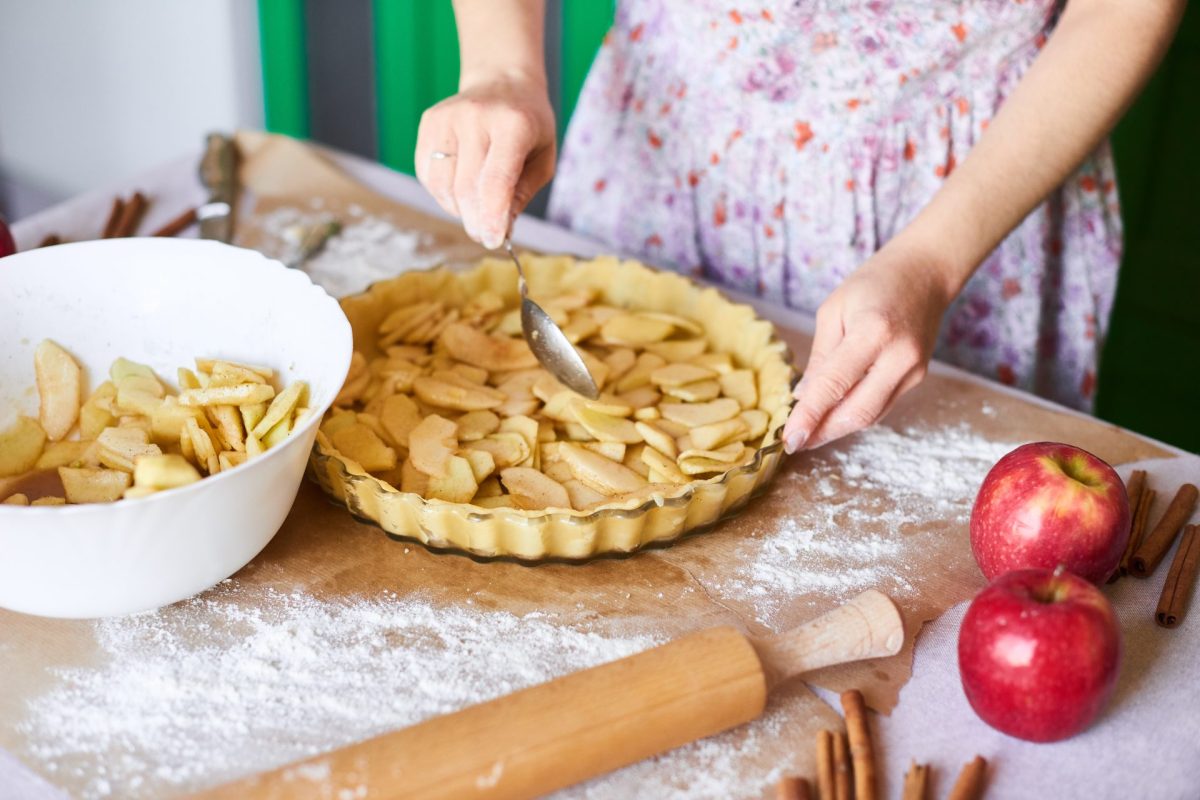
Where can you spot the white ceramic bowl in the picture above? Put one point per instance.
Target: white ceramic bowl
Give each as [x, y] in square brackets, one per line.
[162, 302]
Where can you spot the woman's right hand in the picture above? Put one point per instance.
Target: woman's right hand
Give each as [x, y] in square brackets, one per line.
[499, 137]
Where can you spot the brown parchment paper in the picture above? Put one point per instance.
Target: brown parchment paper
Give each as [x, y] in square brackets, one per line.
[322, 551]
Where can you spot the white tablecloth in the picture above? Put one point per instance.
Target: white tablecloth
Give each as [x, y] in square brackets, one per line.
[1147, 744]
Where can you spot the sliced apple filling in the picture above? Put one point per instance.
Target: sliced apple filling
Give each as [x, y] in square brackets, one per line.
[454, 406]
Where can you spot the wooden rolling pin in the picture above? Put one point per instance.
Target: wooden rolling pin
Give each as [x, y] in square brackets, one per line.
[590, 722]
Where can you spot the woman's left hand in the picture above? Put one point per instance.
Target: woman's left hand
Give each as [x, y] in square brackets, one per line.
[874, 337]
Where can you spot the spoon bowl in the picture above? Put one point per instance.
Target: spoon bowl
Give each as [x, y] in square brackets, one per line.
[549, 344]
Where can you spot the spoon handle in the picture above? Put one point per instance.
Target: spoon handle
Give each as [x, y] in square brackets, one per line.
[520, 272]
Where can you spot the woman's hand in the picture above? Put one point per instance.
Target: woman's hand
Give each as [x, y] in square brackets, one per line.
[497, 145]
[875, 334]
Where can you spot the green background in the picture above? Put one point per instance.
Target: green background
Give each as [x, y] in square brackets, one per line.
[1149, 377]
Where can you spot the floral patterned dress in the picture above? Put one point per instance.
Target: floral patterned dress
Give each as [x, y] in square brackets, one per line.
[774, 147]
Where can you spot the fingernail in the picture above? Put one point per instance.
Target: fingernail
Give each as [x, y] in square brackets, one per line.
[492, 239]
[794, 441]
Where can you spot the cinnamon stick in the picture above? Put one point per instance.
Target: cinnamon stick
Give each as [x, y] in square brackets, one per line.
[790, 788]
[862, 753]
[50, 240]
[1158, 541]
[825, 765]
[969, 785]
[176, 226]
[1137, 530]
[1133, 489]
[131, 216]
[843, 774]
[1181, 579]
[114, 218]
[916, 782]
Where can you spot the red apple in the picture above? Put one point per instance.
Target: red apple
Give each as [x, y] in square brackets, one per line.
[1046, 504]
[7, 245]
[1038, 653]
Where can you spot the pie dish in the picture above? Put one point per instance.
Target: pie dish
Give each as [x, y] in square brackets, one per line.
[449, 434]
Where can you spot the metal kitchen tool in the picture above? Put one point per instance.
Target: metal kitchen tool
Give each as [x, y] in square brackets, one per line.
[218, 173]
[549, 344]
[312, 238]
[540, 739]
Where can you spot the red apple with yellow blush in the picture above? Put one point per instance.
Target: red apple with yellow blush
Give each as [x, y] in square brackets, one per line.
[1047, 504]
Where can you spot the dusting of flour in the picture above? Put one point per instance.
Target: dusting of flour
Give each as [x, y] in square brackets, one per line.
[214, 689]
[367, 249]
[925, 475]
[244, 679]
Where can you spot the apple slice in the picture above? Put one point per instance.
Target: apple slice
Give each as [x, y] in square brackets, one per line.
[663, 466]
[84, 485]
[496, 354]
[119, 448]
[635, 329]
[696, 414]
[599, 473]
[60, 387]
[709, 437]
[431, 445]
[20, 446]
[678, 349]
[741, 386]
[697, 392]
[167, 471]
[363, 445]
[658, 439]
[457, 484]
[532, 490]
[606, 428]
[680, 375]
[508, 448]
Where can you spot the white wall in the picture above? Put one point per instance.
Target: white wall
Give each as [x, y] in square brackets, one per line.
[91, 91]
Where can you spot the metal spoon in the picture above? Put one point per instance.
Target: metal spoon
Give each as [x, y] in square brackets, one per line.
[312, 239]
[549, 344]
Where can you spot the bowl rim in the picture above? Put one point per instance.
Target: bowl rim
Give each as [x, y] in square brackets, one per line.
[261, 261]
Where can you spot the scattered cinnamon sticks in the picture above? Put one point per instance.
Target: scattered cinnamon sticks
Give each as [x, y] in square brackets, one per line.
[125, 216]
[825, 790]
[790, 788]
[131, 216]
[114, 218]
[1141, 499]
[178, 225]
[836, 773]
[916, 782]
[862, 753]
[1158, 541]
[969, 785]
[1181, 579]
[843, 772]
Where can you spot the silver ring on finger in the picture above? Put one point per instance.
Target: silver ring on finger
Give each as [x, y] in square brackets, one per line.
[440, 155]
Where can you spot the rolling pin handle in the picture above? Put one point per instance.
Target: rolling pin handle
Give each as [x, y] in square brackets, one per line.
[868, 626]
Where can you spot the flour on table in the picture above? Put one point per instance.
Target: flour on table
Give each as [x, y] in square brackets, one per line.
[939, 468]
[366, 250]
[925, 474]
[242, 681]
